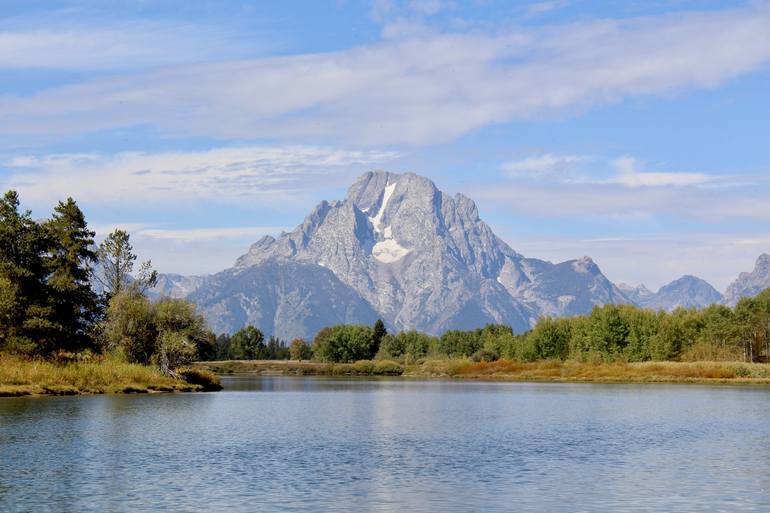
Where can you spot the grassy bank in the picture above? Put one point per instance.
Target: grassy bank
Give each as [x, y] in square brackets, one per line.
[304, 368]
[19, 377]
[506, 370]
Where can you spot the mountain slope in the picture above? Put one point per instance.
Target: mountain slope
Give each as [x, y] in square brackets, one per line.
[285, 299]
[751, 283]
[421, 258]
[687, 291]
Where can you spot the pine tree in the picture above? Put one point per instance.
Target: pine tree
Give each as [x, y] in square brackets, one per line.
[75, 305]
[23, 244]
[116, 262]
[377, 334]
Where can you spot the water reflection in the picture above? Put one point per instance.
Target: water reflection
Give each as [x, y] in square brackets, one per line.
[331, 444]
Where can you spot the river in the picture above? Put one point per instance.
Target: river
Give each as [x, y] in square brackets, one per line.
[269, 444]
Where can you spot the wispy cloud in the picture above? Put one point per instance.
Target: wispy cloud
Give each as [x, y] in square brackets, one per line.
[73, 45]
[629, 176]
[251, 233]
[415, 89]
[621, 202]
[224, 174]
[544, 164]
[588, 169]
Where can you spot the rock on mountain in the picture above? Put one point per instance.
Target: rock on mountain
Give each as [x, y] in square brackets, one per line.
[750, 284]
[399, 247]
[287, 299]
[638, 295]
[688, 292]
[175, 285]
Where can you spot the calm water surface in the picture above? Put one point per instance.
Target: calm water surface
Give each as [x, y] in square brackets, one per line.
[306, 444]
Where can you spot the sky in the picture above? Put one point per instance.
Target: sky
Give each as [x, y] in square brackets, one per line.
[635, 132]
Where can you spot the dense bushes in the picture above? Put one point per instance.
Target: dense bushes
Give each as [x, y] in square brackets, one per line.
[167, 333]
[344, 343]
[247, 344]
[609, 333]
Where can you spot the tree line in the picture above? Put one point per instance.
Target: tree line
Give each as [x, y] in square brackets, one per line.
[60, 294]
[63, 297]
[608, 333]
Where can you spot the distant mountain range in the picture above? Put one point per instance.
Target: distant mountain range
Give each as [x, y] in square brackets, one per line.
[399, 249]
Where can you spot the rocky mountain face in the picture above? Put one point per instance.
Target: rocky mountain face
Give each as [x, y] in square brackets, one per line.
[176, 285]
[637, 295]
[400, 249]
[687, 292]
[750, 284]
[284, 298]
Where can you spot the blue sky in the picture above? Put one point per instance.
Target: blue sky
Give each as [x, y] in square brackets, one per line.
[634, 132]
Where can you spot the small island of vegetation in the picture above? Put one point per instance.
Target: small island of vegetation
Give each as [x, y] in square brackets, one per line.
[74, 320]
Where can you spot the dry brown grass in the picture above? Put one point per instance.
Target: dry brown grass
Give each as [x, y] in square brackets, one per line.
[304, 368]
[21, 376]
[510, 370]
[555, 370]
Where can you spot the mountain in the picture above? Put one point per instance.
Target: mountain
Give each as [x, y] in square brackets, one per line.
[175, 285]
[687, 292]
[400, 249]
[750, 284]
[638, 295]
[288, 299]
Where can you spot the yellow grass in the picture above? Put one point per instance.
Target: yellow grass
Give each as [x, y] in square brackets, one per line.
[556, 370]
[20, 376]
[304, 368]
[507, 370]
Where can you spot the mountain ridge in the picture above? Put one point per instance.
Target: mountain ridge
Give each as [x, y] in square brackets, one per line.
[418, 258]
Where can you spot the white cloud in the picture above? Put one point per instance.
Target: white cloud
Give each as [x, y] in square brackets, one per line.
[426, 7]
[417, 89]
[132, 45]
[629, 176]
[614, 201]
[541, 164]
[585, 169]
[223, 174]
[539, 8]
[251, 233]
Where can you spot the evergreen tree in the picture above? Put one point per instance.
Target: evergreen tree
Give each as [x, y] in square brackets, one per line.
[116, 262]
[23, 243]
[74, 305]
[377, 334]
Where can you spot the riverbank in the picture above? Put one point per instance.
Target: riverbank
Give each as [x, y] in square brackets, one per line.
[24, 377]
[506, 370]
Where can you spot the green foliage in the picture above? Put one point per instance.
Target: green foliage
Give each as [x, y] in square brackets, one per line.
[609, 333]
[456, 343]
[173, 349]
[47, 301]
[130, 328]
[409, 343]
[378, 332]
[73, 304]
[248, 344]
[208, 381]
[167, 333]
[344, 343]
[300, 350]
